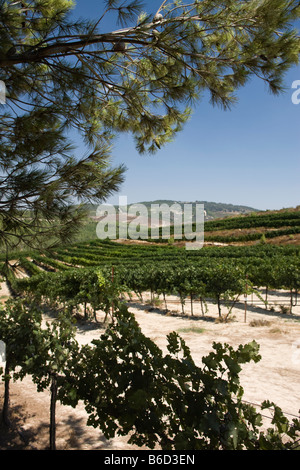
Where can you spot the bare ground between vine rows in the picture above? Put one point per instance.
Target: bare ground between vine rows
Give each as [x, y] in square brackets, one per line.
[275, 377]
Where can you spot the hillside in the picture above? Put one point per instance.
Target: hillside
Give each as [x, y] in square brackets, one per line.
[213, 210]
[280, 227]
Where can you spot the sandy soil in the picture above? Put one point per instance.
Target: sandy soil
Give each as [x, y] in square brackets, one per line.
[275, 377]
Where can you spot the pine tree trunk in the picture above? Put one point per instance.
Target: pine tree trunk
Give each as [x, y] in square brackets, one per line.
[166, 307]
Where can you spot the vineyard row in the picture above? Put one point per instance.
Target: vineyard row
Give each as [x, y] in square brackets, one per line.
[216, 278]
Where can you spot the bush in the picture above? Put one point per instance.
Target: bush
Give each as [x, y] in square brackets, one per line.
[129, 387]
[167, 400]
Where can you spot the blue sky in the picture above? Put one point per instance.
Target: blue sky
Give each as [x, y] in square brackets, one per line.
[249, 155]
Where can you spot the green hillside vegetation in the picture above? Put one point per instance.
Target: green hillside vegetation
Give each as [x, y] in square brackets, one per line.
[254, 247]
[279, 227]
[272, 227]
[220, 272]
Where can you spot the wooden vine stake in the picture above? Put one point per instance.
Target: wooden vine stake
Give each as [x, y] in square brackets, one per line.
[245, 313]
[112, 303]
[53, 411]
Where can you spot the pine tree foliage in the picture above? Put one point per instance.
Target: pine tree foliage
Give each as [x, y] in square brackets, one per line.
[41, 178]
[140, 78]
[144, 77]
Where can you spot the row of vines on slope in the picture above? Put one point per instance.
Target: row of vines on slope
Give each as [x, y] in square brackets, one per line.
[207, 278]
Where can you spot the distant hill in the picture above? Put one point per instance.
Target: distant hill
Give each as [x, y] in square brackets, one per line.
[213, 210]
[227, 224]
